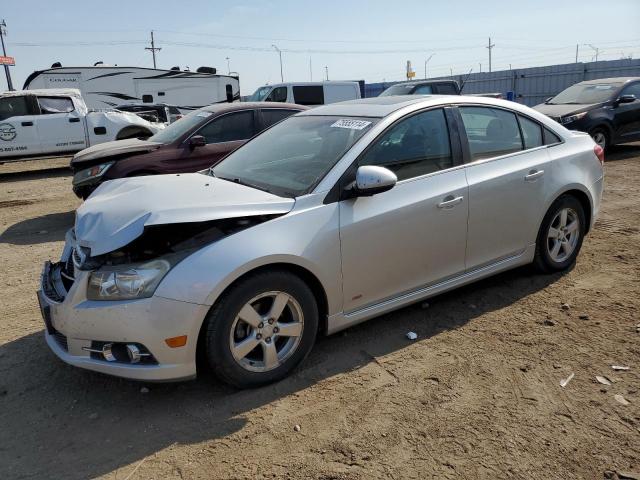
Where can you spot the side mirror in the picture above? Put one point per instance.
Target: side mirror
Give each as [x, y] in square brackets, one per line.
[197, 141]
[630, 98]
[371, 180]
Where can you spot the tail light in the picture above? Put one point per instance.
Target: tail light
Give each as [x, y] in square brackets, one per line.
[599, 151]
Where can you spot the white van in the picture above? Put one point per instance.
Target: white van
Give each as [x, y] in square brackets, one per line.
[307, 93]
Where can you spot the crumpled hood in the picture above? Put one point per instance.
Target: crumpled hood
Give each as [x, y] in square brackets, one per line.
[117, 212]
[117, 147]
[562, 110]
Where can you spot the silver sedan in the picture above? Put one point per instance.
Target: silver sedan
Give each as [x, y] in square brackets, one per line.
[329, 218]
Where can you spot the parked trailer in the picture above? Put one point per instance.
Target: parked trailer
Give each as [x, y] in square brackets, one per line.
[107, 87]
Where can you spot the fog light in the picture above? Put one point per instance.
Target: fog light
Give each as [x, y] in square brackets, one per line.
[107, 353]
[134, 353]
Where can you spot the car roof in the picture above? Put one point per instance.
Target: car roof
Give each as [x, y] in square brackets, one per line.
[376, 106]
[610, 80]
[379, 107]
[230, 107]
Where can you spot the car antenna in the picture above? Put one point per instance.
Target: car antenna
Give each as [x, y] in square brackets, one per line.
[465, 79]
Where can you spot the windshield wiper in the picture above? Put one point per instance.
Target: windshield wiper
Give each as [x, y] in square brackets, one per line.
[210, 172]
[246, 184]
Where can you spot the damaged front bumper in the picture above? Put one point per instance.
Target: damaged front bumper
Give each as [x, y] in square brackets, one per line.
[95, 334]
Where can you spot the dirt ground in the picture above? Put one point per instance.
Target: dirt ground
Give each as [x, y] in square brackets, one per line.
[477, 395]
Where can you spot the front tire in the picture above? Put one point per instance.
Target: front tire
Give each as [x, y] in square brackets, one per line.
[601, 137]
[560, 235]
[261, 329]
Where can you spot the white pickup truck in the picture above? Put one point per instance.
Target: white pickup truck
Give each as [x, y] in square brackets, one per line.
[52, 121]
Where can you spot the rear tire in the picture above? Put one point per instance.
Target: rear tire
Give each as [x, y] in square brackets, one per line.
[560, 235]
[245, 340]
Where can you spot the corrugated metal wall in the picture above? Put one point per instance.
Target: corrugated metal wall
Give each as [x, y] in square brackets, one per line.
[533, 85]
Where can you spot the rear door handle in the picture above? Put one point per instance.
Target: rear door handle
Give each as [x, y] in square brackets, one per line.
[27, 124]
[534, 175]
[74, 120]
[450, 201]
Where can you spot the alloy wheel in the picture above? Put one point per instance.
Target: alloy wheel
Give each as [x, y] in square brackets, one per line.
[266, 331]
[563, 235]
[600, 138]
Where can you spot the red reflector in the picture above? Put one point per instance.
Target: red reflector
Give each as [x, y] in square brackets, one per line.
[599, 151]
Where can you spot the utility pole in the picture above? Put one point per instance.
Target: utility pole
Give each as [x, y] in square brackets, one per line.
[595, 49]
[491, 45]
[310, 71]
[577, 49]
[279, 53]
[228, 66]
[425, 65]
[153, 49]
[3, 32]
[326, 69]
[480, 65]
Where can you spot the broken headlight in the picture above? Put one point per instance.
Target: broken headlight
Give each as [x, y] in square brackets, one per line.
[126, 282]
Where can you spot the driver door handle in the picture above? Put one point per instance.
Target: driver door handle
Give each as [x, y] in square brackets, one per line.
[534, 175]
[450, 201]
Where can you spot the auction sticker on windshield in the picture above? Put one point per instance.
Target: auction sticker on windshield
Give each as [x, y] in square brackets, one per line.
[351, 124]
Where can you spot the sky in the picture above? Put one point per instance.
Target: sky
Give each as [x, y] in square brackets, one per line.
[369, 40]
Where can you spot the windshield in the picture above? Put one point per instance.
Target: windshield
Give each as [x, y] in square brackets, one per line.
[178, 128]
[290, 158]
[398, 90]
[259, 95]
[585, 94]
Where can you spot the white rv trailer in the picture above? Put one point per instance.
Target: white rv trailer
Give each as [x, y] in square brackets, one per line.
[107, 86]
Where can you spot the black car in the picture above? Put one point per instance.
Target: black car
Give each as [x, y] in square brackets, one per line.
[608, 109]
[423, 87]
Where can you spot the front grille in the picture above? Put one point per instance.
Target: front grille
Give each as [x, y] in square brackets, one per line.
[61, 340]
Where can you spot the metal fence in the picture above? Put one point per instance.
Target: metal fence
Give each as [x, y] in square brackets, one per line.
[531, 86]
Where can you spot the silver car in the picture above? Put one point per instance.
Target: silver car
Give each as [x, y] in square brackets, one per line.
[329, 218]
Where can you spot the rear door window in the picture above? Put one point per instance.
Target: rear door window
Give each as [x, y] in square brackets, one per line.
[229, 128]
[531, 131]
[271, 116]
[277, 95]
[491, 132]
[413, 147]
[13, 107]
[308, 95]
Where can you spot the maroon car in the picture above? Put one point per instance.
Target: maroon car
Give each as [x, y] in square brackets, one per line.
[195, 142]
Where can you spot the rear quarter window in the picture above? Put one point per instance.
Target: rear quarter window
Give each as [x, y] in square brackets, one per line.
[446, 89]
[551, 138]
